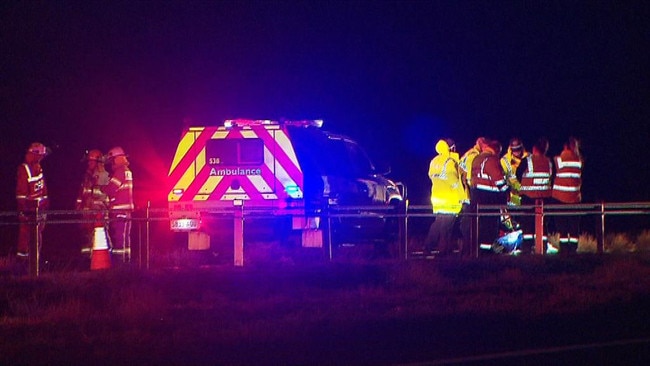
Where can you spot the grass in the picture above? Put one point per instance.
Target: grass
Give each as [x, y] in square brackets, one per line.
[294, 312]
[616, 243]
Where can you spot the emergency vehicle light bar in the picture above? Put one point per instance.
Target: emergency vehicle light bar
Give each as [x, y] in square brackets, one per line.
[229, 123]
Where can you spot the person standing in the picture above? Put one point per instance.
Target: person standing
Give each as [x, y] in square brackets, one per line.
[31, 199]
[535, 174]
[488, 188]
[447, 194]
[91, 200]
[510, 161]
[120, 193]
[466, 219]
[566, 190]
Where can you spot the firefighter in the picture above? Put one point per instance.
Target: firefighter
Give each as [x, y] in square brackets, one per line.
[120, 193]
[465, 169]
[31, 199]
[488, 187]
[510, 161]
[535, 174]
[566, 190]
[447, 195]
[91, 198]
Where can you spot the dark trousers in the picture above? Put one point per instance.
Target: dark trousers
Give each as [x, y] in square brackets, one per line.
[120, 235]
[441, 234]
[30, 232]
[568, 226]
[468, 247]
[488, 226]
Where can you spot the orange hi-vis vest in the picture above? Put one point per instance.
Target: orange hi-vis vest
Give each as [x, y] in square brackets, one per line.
[31, 190]
[568, 177]
[487, 174]
[536, 181]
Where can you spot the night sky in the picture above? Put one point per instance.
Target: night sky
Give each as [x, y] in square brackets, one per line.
[395, 75]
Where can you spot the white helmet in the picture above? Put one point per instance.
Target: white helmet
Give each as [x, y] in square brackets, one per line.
[115, 152]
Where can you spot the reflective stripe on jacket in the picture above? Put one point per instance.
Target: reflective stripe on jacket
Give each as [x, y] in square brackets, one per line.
[487, 174]
[31, 190]
[91, 196]
[568, 177]
[120, 189]
[510, 163]
[536, 180]
[447, 191]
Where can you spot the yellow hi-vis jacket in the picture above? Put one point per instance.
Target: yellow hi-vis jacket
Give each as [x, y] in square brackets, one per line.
[447, 191]
[510, 163]
[465, 168]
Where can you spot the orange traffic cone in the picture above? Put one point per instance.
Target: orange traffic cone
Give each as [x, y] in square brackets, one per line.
[100, 258]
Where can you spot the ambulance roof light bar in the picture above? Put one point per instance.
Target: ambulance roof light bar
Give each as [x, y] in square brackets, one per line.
[305, 123]
[229, 123]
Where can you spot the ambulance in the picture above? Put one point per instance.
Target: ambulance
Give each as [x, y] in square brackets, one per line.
[290, 173]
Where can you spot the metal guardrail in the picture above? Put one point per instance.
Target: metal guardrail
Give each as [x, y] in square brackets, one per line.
[403, 214]
[600, 210]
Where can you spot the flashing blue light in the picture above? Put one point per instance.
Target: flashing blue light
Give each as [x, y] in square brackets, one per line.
[293, 191]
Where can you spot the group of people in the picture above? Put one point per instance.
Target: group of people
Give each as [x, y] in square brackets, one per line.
[482, 176]
[105, 199]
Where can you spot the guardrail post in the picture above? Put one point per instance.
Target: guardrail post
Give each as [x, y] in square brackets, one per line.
[601, 241]
[35, 244]
[474, 235]
[539, 227]
[147, 235]
[239, 233]
[403, 242]
[326, 211]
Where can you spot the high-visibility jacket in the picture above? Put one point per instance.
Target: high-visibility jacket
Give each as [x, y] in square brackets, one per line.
[465, 168]
[465, 163]
[487, 174]
[568, 177]
[31, 190]
[91, 197]
[510, 163]
[120, 189]
[536, 179]
[447, 191]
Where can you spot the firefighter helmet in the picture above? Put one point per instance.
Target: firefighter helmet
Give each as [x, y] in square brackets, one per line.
[115, 152]
[38, 149]
[94, 155]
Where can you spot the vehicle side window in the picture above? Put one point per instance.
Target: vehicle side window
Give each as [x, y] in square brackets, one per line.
[359, 160]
